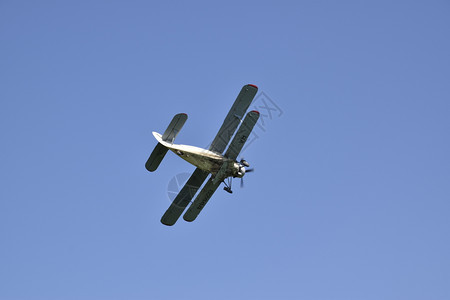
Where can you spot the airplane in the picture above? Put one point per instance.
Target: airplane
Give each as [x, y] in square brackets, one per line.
[221, 164]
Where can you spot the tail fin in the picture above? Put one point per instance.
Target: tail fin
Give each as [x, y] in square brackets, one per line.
[169, 136]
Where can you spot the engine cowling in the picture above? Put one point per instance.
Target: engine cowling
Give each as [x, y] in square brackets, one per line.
[241, 171]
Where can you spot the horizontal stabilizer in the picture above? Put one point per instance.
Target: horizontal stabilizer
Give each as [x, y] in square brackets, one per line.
[156, 157]
[169, 136]
[174, 127]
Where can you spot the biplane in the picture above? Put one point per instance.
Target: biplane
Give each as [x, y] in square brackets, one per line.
[222, 165]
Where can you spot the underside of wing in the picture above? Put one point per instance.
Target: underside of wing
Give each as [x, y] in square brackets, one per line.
[201, 200]
[233, 118]
[242, 135]
[184, 197]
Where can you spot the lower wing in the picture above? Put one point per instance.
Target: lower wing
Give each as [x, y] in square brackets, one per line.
[184, 197]
[201, 200]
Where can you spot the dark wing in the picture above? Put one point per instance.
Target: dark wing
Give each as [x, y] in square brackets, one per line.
[201, 200]
[184, 197]
[233, 151]
[242, 135]
[233, 118]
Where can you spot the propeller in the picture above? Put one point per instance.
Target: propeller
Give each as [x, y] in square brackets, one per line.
[244, 162]
[242, 178]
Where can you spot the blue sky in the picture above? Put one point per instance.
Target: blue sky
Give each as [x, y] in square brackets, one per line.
[350, 198]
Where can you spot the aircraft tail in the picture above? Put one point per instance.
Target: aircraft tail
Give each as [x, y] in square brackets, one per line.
[169, 136]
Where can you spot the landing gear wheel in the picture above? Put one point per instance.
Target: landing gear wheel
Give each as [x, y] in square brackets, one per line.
[228, 189]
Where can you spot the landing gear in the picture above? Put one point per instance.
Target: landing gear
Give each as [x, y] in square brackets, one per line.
[228, 185]
[228, 189]
[239, 170]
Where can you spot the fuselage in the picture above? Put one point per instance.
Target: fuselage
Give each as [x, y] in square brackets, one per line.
[204, 159]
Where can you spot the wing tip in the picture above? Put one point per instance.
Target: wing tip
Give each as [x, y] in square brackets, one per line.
[149, 167]
[167, 224]
[255, 111]
[252, 85]
[188, 220]
[182, 115]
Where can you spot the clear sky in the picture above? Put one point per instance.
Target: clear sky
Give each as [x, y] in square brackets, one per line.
[350, 197]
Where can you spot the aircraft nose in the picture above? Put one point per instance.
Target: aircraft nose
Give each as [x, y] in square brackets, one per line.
[241, 171]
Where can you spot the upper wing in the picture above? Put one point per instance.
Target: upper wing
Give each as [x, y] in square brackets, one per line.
[201, 200]
[233, 118]
[184, 197]
[242, 134]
